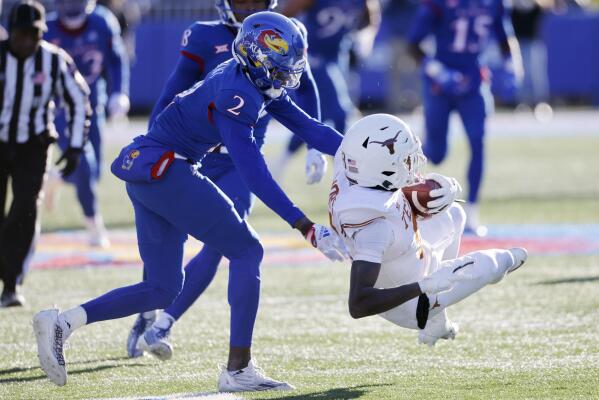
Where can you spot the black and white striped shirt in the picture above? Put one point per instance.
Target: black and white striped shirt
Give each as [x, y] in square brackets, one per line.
[28, 89]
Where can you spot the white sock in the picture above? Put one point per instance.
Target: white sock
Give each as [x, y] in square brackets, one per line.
[73, 319]
[149, 314]
[164, 321]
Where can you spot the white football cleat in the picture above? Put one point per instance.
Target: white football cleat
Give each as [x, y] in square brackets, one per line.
[51, 338]
[155, 341]
[142, 323]
[473, 225]
[249, 379]
[520, 255]
[96, 231]
[438, 327]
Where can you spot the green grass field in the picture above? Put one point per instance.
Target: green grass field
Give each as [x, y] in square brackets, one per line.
[533, 336]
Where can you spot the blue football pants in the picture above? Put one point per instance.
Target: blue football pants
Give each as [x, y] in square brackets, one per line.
[471, 108]
[184, 202]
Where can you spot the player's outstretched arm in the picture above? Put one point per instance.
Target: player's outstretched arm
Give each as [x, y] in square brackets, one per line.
[366, 300]
[316, 134]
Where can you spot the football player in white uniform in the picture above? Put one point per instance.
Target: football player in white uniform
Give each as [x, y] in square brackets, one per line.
[405, 268]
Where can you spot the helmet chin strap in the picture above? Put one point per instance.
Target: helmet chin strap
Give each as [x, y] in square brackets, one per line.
[74, 23]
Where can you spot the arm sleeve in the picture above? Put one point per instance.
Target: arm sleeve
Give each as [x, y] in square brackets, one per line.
[119, 60]
[372, 241]
[74, 94]
[316, 134]
[423, 22]
[250, 165]
[186, 73]
[308, 98]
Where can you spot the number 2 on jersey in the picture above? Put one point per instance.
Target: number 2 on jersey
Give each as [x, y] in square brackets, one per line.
[233, 110]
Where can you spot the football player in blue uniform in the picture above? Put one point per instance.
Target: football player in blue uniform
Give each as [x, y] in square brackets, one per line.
[91, 35]
[204, 46]
[172, 198]
[333, 26]
[452, 78]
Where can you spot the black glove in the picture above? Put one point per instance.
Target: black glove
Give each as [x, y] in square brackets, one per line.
[71, 161]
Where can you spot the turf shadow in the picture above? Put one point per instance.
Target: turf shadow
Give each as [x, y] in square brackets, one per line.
[16, 370]
[71, 372]
[570, 280]
[354, 392]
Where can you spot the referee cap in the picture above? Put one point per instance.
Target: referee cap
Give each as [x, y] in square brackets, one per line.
[27, 14]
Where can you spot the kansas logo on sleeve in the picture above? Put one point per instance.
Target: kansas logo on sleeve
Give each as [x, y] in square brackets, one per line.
[272, 40]
[129, 159]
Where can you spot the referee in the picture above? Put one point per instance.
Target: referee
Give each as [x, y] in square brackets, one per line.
[32, 74]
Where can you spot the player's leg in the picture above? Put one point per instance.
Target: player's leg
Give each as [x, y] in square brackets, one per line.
[334, 95]
[18, 228]
[437, 108]
[472, 110]
[486, 267]
[444, 231]
[199, 272]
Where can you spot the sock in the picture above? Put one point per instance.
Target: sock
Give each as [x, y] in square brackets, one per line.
[73, 319]
[149, 314]
[165, 321]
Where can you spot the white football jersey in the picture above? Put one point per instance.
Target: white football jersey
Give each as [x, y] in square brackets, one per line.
[378, 226]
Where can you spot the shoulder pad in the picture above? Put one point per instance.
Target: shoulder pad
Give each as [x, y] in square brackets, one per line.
[357, 204]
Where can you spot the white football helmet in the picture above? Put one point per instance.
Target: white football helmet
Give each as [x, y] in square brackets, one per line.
[380, 150]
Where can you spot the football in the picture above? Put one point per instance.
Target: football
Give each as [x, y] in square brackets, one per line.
[418, 196]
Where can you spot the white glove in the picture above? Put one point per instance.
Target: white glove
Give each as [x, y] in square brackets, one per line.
[118, 105]
[450, 189]
[449, 273]
[316, 166]
[328, 242]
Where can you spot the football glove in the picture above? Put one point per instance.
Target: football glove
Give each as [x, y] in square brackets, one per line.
[450, 189]
[118, 105]
[70, 158]
[448, 80]
[327, 241]
[449, 273]
[316, 166]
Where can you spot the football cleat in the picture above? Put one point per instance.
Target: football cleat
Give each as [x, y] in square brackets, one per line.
[11, 299]
[438, 327]
[139, 327]
[51, 338]
[520, 255]
[155, 341]
[96, 231]
[473, 226]
[249, 379]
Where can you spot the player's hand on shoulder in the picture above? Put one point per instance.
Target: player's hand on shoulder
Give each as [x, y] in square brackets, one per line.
[327, 241]
[446, 194]
[316, 166]
[449, 273]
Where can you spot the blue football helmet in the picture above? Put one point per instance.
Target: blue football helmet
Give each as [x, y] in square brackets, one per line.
[74, 12]
[272, 52]
[227, 12]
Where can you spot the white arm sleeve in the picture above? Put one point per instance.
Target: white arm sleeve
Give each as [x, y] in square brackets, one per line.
[371, 242]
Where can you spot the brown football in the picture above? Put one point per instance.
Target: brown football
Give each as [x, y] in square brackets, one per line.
[418, 196]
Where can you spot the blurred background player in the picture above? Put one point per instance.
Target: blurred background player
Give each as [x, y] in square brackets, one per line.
[405, 268]
[204, 46]
[453, 79]
[91, 35]
[172, 199]
[333, 27]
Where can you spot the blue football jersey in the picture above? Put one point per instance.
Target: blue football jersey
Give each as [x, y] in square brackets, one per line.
[97, 49]
[330, 24]
[461, 29]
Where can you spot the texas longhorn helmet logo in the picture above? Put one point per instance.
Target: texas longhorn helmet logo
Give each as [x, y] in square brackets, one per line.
[272, 40]
[389, 143]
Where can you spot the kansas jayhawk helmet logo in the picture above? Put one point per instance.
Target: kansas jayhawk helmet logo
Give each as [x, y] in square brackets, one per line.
[273, 41]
